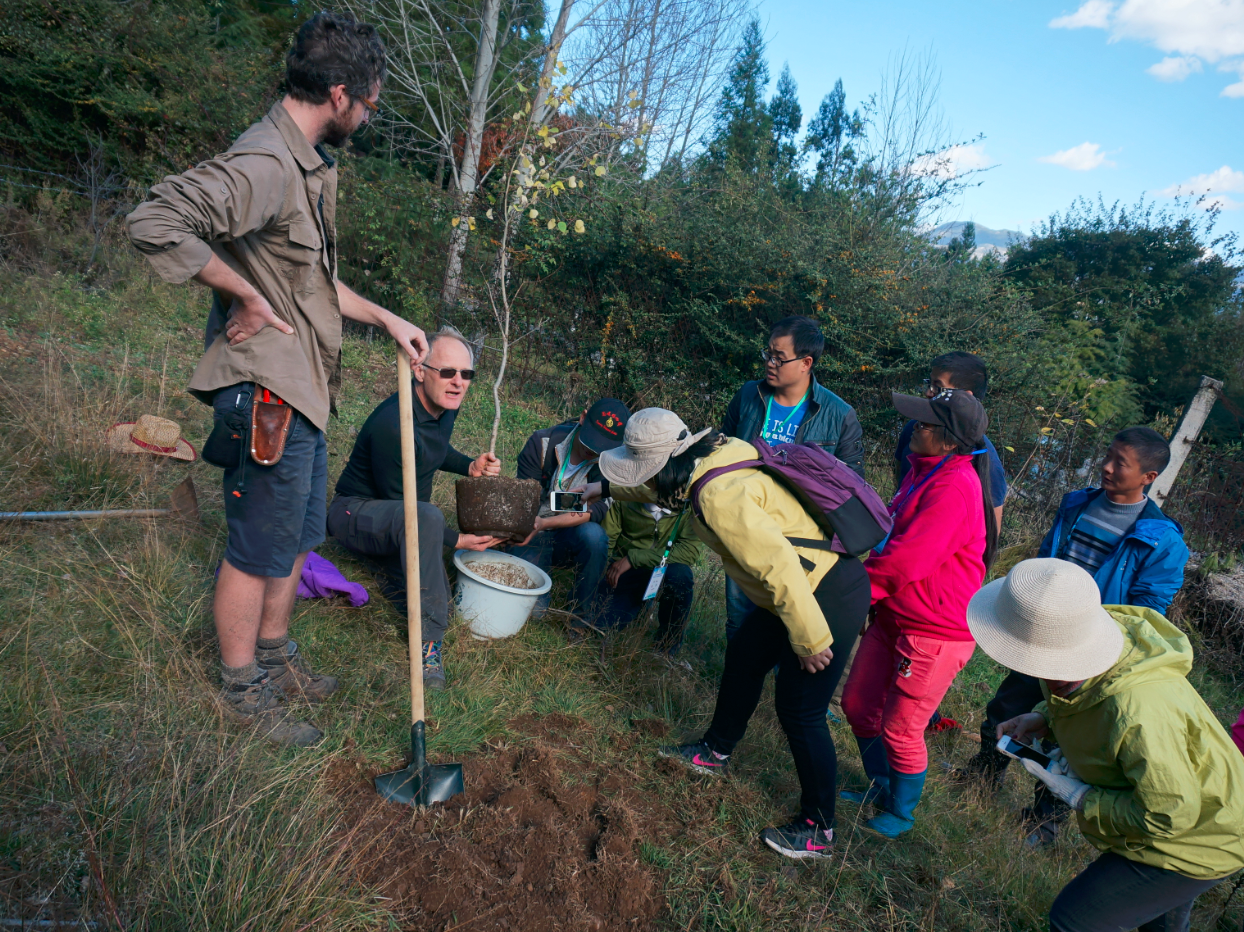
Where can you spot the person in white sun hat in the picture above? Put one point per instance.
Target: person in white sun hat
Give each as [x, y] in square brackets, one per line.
[1156, 783]
[804, 600]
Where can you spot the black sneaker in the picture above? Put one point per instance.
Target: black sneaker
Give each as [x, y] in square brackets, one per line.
[802, 838]
[699, 757]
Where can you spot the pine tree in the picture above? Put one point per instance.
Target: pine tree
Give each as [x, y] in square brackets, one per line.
[742, 131]
[831, 133]
[787, 117]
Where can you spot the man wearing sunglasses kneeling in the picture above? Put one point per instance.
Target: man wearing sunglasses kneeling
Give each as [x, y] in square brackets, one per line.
[368, 516]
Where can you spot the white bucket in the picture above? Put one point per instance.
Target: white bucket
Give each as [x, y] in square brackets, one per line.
[495, 610]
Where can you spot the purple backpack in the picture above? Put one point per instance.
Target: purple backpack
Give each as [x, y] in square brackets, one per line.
[843, 505]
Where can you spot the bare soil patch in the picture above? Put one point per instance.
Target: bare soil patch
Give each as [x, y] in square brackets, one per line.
[541, 840]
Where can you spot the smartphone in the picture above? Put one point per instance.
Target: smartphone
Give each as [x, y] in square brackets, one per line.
[1012, 748]
[568, 501]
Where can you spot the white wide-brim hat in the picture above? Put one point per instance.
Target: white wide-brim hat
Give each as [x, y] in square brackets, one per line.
[652, 436]
[1045, 619]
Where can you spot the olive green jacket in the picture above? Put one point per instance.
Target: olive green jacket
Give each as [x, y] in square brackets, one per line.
[1168, 783]
[634, 535]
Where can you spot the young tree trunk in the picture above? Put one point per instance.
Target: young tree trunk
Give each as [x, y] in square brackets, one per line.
[468, 173]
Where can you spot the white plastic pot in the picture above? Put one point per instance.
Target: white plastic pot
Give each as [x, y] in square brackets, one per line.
[492, 609]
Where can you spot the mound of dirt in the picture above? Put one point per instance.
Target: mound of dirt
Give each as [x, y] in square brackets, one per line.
[537, 843]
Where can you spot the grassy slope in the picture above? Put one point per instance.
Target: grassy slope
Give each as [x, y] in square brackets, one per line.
[126, 794]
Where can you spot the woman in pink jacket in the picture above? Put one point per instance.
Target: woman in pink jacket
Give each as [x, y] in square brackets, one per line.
[922, 576]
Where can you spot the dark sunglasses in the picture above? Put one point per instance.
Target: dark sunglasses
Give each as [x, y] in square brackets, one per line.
[448, 373]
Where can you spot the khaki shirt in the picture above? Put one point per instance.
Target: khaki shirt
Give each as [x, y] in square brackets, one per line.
[267, 208]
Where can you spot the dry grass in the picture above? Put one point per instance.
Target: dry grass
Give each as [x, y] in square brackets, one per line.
[128, 800]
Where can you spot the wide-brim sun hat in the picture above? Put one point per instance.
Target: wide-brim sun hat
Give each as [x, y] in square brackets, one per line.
[150, 434]
[652, 436]
[1044, 619]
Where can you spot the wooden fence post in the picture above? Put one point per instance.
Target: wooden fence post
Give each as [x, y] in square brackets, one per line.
[1186, 436]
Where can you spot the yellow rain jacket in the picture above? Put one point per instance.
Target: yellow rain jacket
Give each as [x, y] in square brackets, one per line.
[1168, 783]
[747, 518]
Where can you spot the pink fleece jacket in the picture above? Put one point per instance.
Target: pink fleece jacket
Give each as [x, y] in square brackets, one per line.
[933, 562]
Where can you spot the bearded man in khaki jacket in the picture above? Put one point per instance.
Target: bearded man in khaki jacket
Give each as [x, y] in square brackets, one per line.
[257, 225]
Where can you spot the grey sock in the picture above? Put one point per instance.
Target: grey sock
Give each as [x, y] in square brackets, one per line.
[239, 676]
[272, 648]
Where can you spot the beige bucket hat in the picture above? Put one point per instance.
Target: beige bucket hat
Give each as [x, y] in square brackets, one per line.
[151, 434]
[1045, 619]
[652, 436]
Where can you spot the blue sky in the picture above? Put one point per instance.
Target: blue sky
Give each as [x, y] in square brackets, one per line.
[1121, 98]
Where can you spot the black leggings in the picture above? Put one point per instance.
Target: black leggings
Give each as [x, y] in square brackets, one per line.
[800, 698]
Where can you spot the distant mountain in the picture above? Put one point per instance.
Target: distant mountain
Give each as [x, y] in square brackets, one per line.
[987, 240]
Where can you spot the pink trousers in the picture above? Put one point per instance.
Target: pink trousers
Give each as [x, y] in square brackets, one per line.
[895, 684]
[1237, 732]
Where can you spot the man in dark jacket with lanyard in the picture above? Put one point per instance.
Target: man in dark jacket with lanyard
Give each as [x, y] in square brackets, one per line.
[563, 459]
[789, 406]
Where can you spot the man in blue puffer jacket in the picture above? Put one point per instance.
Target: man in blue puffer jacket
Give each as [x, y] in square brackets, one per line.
[790, 406]
[1135, 554]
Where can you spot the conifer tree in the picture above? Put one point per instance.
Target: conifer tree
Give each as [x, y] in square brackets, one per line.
[830, 135]
[787, 117]
[742, 131]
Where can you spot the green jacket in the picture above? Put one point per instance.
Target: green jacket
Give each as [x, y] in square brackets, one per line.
[1168, 783]
[634, 535]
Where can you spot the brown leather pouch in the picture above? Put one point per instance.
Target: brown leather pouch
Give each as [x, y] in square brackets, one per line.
[270, 420]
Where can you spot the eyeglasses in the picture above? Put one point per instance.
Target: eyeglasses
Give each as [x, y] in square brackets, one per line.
[448, 373]
[775, 360]
[375, 109]
[920, 425]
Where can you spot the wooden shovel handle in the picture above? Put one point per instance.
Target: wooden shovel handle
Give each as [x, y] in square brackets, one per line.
[410, 500]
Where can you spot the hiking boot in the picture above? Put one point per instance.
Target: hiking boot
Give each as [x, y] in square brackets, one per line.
[1042, 831]
[289, 672]
[802, 838]
[259, 705]
[699, 757]
[985, 769]
[433, 669]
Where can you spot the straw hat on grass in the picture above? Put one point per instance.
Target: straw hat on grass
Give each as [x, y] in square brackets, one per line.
[150, 434]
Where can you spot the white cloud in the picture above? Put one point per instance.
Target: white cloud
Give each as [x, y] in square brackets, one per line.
[1174, 67]
[1082, 158]
[1197, 31]
[1211, 189]
[953, 162]
[1093, 14]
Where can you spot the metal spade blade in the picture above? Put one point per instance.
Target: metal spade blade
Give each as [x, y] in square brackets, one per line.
[421, 783]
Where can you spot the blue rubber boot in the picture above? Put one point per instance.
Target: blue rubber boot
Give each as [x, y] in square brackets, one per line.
[876, 768]
[899, 817]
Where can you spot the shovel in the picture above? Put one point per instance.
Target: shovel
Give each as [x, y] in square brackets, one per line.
[420, 784]
[183, 503]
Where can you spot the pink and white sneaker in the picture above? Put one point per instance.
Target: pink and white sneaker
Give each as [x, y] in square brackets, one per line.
[699, 757]
[802, 838]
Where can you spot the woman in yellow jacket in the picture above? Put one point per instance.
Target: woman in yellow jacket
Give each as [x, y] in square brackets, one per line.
[1155, 782]
[810, 605]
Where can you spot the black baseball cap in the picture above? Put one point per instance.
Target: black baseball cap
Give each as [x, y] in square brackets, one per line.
[604, 425]
[956, 411]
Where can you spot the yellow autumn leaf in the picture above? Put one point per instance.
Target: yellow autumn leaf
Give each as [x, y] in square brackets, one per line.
[600, 170]
[1067, 420]
[1009, 449]
[1047, 430]
[488, 213]
[533, 213]
[579, 227]
[572, 182]
[1089, 421]
[1039, 408]
[455, 221]
[542, 132]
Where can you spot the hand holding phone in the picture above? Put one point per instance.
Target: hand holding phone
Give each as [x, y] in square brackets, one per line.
[1013, 749]
[567, 501]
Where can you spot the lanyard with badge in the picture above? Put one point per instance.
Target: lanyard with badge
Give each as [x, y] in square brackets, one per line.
[779, 431]
[898, 503]
[560, 479]
[658, 575]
